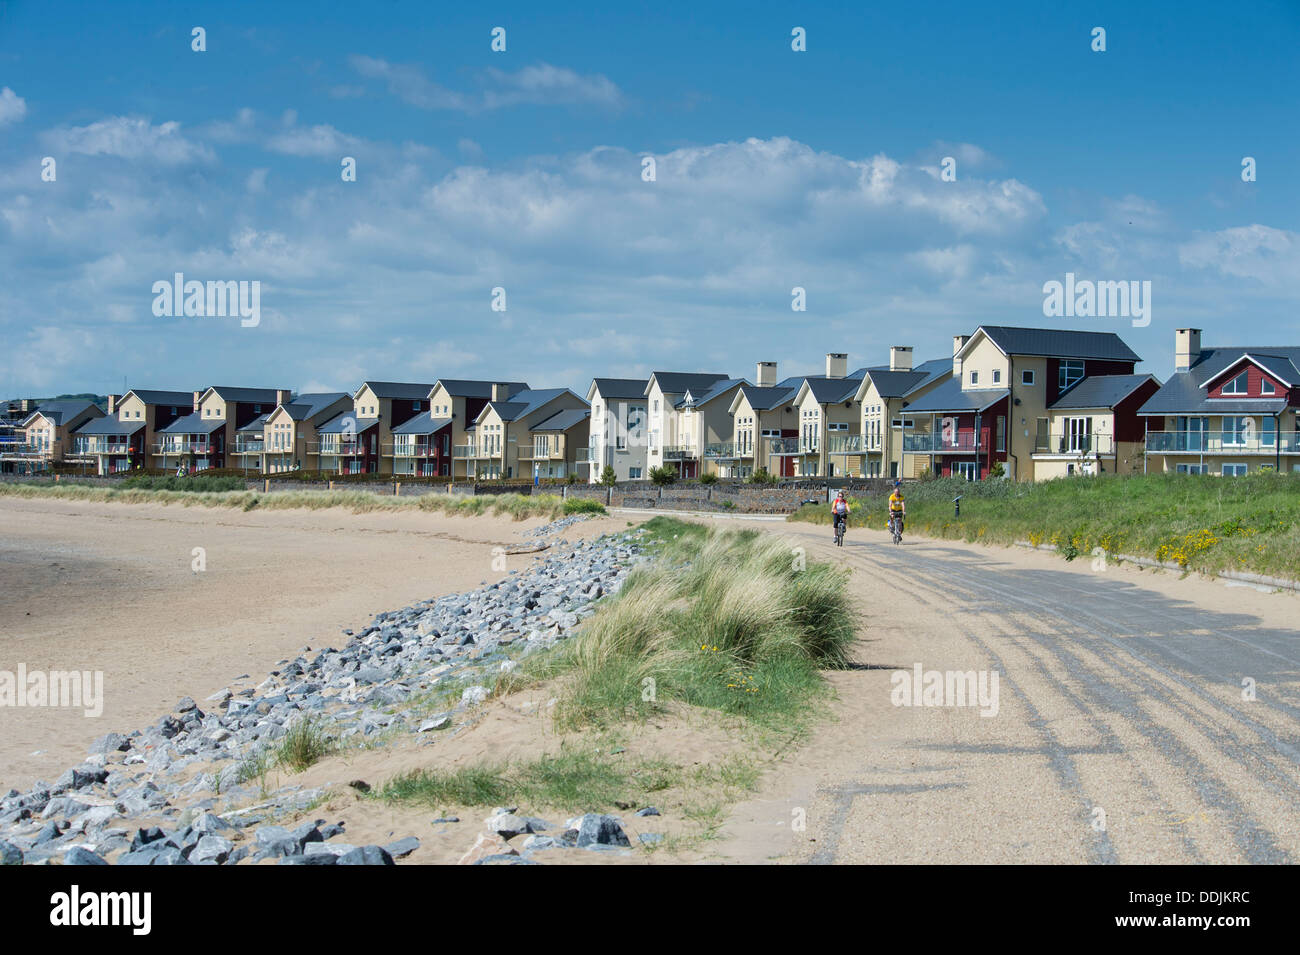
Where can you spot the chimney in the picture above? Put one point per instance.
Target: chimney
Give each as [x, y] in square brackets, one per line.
[281, 396]
[958, 343]
[1187, 348]
[837, 364]
[900, 358]
[500, 392]
[197, 395]
[765, 374]
[112, 404]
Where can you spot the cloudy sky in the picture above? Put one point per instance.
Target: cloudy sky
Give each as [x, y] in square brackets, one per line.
[523, 170]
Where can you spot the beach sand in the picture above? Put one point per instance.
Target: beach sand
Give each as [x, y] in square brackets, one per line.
[110, 587]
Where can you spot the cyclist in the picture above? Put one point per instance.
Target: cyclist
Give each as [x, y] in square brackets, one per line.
[897, 507]
[839, 514]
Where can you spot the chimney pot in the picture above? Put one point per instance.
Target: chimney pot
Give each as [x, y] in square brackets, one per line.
[112, 403]
[765, 375]
[1187, 348]
[197, 395]
[900, 358]
[500, 391]
[282, 396]
[837, 364]
[958, 343]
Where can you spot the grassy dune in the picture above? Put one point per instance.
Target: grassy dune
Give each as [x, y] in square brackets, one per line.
[516, 506]
[1203, 523]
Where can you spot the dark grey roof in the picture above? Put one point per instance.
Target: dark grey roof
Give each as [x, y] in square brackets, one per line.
[410, 391]
[950, 397]
[303, 407]
[831, 390]
[257, 424]
[765, 399]
[934, 369]
[895, 384]
[60, 410]
[193, 424]
[469, 388]
[524, 403]
[423, 423]
[564, 420]
[717, 389]
[264, 396]
[1059, 343]
[151, 397]
[620, 387]
[680, 382]
[1185, 392]
[109, 425]
[1101, 391]
[348, 422]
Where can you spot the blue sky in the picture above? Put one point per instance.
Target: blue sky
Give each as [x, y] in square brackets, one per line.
[522, 170]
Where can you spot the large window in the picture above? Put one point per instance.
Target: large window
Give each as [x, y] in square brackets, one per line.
[1234, 470]
[1238, 386]
[1071, 371]
[1236, 430]
[1266, 387]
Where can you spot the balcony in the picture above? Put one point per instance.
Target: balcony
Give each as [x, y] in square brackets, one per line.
[680, 452]
[780, 446]
[723, 449]
[1075, 444]
[195, 446]
[465, 451]
[844, 444]
[584, 456]
[1223, 442]
[410, 450]
[101, 447]
[938, 443]
[342, 449]
[254, 446]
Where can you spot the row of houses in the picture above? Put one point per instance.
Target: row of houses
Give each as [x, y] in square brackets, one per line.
[1026, 403]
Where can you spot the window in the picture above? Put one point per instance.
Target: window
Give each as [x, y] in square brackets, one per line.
[838, 426]
[974, 377]
[997, 375]
[1191, 469]
[1267, 387]
[1070, 372]
[1237, 430]
[1234, 470]
[1238, 386]
[904, 424]
[1268, 432]
[967, 469]
[1002, 433]
[634, 473]
[415, 406]
[1026, 377]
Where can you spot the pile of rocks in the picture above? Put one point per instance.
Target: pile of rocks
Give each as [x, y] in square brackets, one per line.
[451, 648]
[594, 832]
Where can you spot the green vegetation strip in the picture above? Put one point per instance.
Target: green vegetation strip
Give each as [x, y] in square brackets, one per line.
[1202, 523]
[216, 492]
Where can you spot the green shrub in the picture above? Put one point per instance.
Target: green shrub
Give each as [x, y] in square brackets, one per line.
[583, 505]
[608, 476]
[762, 476]
[709, 478]
[664, 474]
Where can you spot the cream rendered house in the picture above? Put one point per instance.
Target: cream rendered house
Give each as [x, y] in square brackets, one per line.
[618, 428]
[883, 398]
[48, 434]
[122, 440]
[506, 445]
[704, 421]
[664, 445]
[289, 430]
[830, 443]
[1094, 429]
[765, 424]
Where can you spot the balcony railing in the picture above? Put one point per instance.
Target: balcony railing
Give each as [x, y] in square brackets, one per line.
[843, 444]
[184, 447]
[410, 450]
[249, 447]
[584, 456]
[336, 448]
[720, 449]
[101, 447]
[24, 450]
[1075, 444]
[780, 446]
[939, 443]
[681, 452]
[464, 451]
[1223, 442]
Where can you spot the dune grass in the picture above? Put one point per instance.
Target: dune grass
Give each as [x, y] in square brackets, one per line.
[515, 506]
[1200, 522]
[732, 621]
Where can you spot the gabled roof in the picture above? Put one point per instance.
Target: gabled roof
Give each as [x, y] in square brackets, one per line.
[1101, 391]
[680, 382]
[151, 397]
[716, 390]
[524, 403]
[109, 425]
[193, 424]
[564, 420]
[266, 396]
[618, 388]
[827, 391]
[1185, 392]
[470, 388]
[765, 399]
[306, 406]
[950, 397]
[1055, 343]
[349, 422]
[61, 410]
[409, 391]
[1280, 367]
[423, 423]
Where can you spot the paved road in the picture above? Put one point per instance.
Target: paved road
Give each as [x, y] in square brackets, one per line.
[1121, 733]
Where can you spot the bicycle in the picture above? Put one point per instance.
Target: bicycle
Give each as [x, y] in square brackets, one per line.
[896, 527]
[840, 524]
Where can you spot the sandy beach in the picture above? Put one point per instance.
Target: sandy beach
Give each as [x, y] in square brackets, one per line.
[111, 588]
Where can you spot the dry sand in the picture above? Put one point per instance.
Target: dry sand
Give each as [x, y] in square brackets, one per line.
[109, 587]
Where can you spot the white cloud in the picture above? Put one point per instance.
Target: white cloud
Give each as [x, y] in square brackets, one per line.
[12, 106]
[130, 138]
[1259, 252]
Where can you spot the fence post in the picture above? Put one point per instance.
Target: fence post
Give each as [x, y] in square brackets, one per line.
[331, 485]
[397, 488]
[266, 485]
